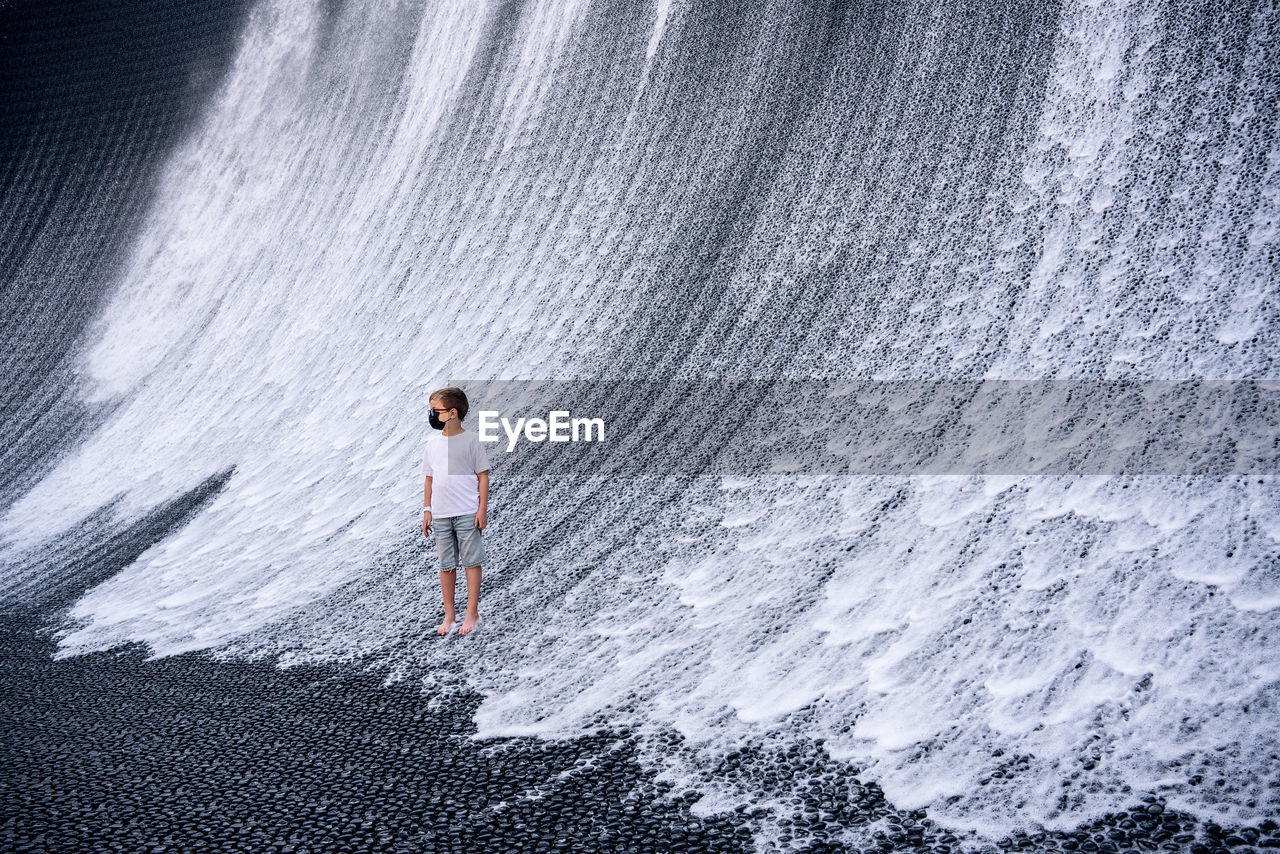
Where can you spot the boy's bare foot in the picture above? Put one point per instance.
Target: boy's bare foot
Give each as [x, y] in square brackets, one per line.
[443, 628]
[469, 623]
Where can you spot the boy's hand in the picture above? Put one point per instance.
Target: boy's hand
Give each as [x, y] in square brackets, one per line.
[482, 518]
[426, 523]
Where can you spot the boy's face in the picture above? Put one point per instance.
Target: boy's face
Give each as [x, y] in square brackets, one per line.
[443, 414]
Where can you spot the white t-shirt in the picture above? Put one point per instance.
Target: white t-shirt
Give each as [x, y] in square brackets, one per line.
[452, 463]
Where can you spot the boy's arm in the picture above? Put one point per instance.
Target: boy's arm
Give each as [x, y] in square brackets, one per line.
[426, 503]
[481, 462]
[482, 514]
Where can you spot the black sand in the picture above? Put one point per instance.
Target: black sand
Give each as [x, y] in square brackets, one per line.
[111, 752]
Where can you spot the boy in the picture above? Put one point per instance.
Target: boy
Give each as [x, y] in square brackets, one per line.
[456, 497]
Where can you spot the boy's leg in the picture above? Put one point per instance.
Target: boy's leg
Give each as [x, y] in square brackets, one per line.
[447, 547]
[471, 553]
[447, 579]
[473, 600]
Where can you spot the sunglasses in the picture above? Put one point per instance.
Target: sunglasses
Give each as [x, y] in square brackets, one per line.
[440, 411]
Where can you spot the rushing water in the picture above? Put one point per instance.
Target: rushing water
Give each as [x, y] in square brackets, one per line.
[378, 198]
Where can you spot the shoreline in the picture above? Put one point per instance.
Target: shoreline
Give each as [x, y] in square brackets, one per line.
[111, 752]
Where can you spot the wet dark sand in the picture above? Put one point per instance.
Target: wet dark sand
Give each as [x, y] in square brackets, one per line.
[111, 752]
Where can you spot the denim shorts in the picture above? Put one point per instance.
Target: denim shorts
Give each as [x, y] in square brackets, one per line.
[458, 541]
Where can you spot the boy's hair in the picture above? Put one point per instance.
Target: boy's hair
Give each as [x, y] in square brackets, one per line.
[451, 398]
